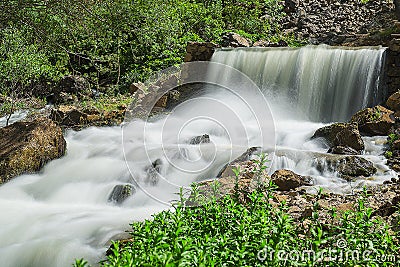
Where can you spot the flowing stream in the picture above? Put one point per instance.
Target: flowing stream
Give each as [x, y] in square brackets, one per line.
[65, 212]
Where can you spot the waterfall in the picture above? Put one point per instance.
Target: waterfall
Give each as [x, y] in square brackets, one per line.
[64, 212]
[322, 82]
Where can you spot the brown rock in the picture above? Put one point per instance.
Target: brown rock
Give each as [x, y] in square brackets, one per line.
[26, 146]
[341, 135]
[197, 51]
[374, 121]
[286, 180]
[393, 102]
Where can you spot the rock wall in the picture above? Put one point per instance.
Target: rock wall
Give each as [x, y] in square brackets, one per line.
[336, 22]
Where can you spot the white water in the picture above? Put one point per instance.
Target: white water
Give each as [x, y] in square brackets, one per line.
[63, 213]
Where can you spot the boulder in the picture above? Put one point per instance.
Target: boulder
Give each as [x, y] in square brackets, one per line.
[393, 102]
[374, 121]
[341, 135]
[232, 39]
[121, 192]
[26, 146]
[348, 167]
[287, 180]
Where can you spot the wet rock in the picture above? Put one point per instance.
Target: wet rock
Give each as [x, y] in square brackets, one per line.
[287, 180]
[232, 39]
[393, 102]
[202, 139]
[343, 150]
[341, 135]
[374, 121]
[153, 172]
[26, 146]
[349, 167]
[121, 192]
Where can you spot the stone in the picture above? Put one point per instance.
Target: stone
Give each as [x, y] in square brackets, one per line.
[25, 147]
[232, 39]
[355, 167]
[68, 116]
[287, 180]
[343, 150]
[136, 86]
[342, 135]
[246, 156]
[70, 89]
[198, 51]
[202, 139]
[393, 101]
[374, 121]
[121, 192]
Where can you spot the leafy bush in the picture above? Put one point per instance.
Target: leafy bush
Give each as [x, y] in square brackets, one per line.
[119, 42]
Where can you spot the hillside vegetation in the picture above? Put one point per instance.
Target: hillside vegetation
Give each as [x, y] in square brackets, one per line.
[115, 43]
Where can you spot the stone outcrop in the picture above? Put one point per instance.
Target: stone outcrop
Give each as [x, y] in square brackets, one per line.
[76, 117]
[26, 146]
[287, 180]
[374, 121]
[344, 135]
[197, 51]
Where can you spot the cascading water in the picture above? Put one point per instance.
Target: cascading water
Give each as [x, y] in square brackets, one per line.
[64, 212]
[324, 83]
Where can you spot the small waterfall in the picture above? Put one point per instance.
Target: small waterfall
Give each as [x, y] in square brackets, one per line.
[322, 82]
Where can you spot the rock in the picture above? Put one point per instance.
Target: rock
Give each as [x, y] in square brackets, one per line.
[70, 89]
[291, 5]
[26, 146]
[355, 167]
[246, 156]
[341, 135]
[68, 116]
[287, 180]
[343, 150]
[232, 39]
[136, 86]
[153, 172]
[393, 102]
[121, 192]
[202, 139]
[197, 51]
[374, 121]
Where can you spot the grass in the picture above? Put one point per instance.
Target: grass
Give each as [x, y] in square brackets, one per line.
[229, 232]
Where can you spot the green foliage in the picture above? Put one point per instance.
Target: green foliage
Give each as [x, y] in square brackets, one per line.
[119, 42]
[225, 232]
[392, 138]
